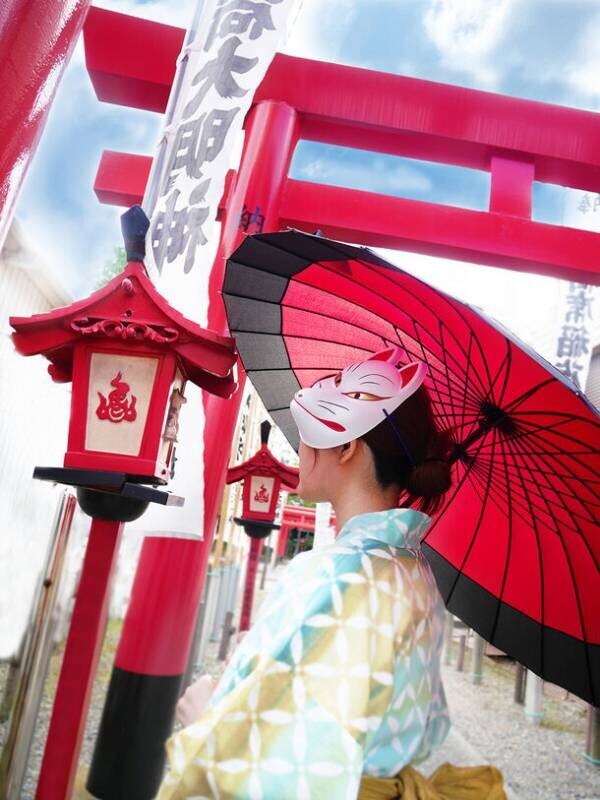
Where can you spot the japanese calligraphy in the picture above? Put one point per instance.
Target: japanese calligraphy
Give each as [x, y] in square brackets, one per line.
[589, 203]
[574, 341]
[200, 141]
[219, 73]
[251, 221]
[176, 231]
[241, 16]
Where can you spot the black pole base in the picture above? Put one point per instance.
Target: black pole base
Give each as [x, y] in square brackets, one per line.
[129, 756]
[103, 494]
[256, 529]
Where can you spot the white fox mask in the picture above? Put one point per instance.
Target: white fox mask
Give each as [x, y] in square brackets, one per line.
[345, 406]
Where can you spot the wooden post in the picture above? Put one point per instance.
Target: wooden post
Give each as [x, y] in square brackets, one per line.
[477, 669]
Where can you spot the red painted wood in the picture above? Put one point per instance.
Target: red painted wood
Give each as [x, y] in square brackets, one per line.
[271, 136]
[511, 186]
[82, 650]
[282, 540]
[394, 222]
[383, 221]
[435, 121]
[37, 38]
[159, 624]
[131, 61]
[412, 117]
[121, 178]
[256, 546]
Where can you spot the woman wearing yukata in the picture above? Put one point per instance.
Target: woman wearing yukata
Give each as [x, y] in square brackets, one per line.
[336, 690]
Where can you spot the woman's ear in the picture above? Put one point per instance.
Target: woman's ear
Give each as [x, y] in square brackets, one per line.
[348, 451]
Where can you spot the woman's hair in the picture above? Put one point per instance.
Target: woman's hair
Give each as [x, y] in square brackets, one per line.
[410, 451]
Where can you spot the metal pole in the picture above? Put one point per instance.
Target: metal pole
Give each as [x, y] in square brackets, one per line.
[478, 646]
[592, 741]
[35, 656]
[520, 681]
[462, 646]
[534, 698]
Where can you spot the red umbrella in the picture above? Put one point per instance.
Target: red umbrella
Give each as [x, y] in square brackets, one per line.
[515, 548]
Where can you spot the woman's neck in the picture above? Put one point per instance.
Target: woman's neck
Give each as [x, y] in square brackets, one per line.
[351, 503]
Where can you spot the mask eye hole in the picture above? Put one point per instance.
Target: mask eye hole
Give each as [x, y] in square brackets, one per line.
[338, 379]
[363, 396]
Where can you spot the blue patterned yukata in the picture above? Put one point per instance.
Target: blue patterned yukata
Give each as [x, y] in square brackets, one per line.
[338, 677]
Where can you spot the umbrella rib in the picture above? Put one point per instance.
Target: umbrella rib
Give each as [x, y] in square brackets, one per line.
[399, 287]
[573, 581]
[441, 327]
[534, 435]
[526, 395]
[541, 566]
[571, 515]
[452, 302]
[508, 554]
[472, 542]
[336, 320]
[545, 473]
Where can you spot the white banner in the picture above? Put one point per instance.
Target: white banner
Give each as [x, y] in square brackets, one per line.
[228, 49]
[230, 46]
[574, 343]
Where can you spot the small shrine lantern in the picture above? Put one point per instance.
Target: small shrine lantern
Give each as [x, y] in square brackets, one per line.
[128, 354]
[263, 476]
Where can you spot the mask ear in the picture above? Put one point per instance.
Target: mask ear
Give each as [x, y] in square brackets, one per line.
[391, 355]
[411, 372]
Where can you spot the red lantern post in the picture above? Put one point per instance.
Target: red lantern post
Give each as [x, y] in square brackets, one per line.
[128, 355]
[263, 476]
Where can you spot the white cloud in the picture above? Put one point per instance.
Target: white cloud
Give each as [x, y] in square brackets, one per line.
[310, 33]
[467, 34]
[583, 72]
[376, 176]
[166, 11]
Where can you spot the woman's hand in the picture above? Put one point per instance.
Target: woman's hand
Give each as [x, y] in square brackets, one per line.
[193, 701]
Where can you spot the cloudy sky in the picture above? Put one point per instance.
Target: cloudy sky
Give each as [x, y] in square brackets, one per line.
[538, 49]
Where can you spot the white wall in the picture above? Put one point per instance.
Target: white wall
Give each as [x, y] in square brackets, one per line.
[33, 431]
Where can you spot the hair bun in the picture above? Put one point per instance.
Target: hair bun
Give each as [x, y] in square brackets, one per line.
[430, 478]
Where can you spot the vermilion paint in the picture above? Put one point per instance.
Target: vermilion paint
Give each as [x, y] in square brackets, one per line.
[37, 38]
[79, 664]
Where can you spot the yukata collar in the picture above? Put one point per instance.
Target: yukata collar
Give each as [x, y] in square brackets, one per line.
[398, 527]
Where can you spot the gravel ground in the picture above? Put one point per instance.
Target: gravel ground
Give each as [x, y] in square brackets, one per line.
[543, 762]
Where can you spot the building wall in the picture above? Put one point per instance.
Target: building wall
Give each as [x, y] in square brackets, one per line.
[33, 431]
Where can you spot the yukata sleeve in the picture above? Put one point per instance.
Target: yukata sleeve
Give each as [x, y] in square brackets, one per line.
[296, 725]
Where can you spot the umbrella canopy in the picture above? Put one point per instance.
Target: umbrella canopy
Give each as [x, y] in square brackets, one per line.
[515, 547]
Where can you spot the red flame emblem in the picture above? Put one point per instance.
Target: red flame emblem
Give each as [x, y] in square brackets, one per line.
[262, 495]
[117, 408]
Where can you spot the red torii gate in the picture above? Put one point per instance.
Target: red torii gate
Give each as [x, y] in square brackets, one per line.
[296, 517]
[132, 62]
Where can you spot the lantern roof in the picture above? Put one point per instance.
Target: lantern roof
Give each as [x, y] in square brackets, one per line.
[263, 462]
[129, 308]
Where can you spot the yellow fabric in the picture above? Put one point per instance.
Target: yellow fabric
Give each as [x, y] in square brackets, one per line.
[446, 783]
